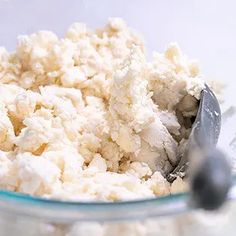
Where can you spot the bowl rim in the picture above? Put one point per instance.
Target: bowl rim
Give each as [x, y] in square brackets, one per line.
[60, 210]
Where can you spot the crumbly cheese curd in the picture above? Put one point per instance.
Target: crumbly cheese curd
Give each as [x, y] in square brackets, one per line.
[87, 117]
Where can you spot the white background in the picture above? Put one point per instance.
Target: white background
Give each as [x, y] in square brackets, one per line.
[205, 29]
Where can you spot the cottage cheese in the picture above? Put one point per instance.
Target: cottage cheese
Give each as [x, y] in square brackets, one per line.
[87, 117]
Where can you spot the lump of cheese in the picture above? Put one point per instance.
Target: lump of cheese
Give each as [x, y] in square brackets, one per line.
[87, 117]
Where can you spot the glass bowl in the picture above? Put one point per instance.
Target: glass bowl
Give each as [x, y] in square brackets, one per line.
[205, 30]
[171, 215]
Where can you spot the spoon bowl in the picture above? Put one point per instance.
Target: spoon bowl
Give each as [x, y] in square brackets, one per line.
[206, 167]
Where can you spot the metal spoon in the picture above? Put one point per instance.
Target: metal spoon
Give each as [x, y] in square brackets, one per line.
[207, 168]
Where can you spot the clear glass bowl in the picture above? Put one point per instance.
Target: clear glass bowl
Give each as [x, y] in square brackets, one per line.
[205, 30]
[172, 215]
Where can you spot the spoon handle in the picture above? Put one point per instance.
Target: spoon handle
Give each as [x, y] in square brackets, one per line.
[210, 180]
